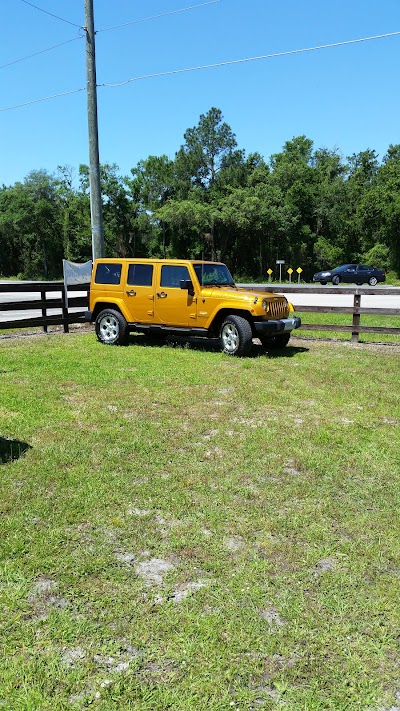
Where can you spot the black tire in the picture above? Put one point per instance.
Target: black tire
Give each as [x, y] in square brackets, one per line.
[111, 328]
[236, 336]
[279, 341]
[336, 280]
[323, 283]
[372, 281]
[359, 283]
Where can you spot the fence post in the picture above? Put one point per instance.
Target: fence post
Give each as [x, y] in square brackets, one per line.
[65, 309]
[44, 309]
[356, 317]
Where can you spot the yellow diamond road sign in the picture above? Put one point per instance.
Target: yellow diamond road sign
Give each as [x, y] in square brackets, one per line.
[269, 271]
[290, 270]
[299, 270]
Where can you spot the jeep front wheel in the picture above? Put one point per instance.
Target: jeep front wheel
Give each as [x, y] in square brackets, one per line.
[111, 328]
[236, 336]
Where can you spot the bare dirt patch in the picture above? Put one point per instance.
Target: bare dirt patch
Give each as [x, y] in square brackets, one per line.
[153, 570]
[325, 565]
[271, 615]
[43, 599]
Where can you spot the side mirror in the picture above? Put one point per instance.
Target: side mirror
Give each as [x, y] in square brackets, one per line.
[188, 285]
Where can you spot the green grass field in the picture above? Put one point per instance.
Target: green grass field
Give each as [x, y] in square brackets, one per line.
[186, 531]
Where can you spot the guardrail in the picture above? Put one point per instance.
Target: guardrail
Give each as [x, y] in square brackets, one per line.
[45, 304]
[356, 310]
[80, 304]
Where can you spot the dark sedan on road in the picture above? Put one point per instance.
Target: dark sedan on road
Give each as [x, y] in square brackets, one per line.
[351, 274]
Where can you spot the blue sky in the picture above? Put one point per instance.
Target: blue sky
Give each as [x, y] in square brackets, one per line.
[345, 97]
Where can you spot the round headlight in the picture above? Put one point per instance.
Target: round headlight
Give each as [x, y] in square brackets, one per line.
[265, 305]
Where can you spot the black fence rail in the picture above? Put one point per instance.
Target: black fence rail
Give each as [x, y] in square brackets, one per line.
[356, 310]
[56, 307]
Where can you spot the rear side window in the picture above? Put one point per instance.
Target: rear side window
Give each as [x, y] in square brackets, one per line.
[108, 273]
[140, 275]
[171, 275]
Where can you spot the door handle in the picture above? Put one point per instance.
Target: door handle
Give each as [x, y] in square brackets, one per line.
[131, 293]
[162, 294]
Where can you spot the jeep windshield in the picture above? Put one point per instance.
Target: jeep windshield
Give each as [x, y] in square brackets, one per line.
[213, 275]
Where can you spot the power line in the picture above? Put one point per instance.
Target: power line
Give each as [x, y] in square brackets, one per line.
[251, 59]
[50, 13]
[44, 98]
[42, 51]
[133, 22]
[156, 17]
[212, 66]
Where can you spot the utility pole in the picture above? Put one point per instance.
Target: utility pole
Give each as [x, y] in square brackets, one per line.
[96, 206]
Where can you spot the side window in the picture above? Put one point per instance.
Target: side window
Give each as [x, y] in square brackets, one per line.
[108, 273]
[171, 275]
[140, 275]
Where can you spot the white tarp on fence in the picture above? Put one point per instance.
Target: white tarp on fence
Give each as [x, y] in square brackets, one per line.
[76, 274]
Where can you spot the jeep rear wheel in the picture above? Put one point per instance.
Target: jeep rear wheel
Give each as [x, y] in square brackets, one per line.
[111, 328]
[236, 336]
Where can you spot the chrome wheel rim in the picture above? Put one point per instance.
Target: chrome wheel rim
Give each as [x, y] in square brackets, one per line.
[108, 329]
[373, 281]
[230, 338]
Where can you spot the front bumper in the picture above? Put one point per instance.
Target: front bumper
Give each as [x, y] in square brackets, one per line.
[282, 325]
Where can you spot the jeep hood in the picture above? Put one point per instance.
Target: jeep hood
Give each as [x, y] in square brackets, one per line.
[238, 294]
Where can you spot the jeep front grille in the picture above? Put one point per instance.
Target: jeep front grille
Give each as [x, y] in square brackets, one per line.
[277, 308]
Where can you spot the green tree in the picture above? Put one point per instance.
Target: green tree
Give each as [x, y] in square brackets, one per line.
[330, 198]
[152, 184]
[190, 224]
[388, 179]
[122, 232]
[208, 144]
[208, 147]
[31, 215]
[75, 215]
[293, 176]
[363, 168]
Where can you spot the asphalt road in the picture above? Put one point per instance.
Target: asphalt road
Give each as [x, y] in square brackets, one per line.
[303, 296]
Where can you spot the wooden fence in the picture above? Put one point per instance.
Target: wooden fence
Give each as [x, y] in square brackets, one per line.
[50, 297]
[356, 310]
[46, 302]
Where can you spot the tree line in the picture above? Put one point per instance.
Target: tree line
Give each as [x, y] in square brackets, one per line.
[310, 207]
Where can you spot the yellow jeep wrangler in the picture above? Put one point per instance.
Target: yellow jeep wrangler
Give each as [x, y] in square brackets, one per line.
[186, 297]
